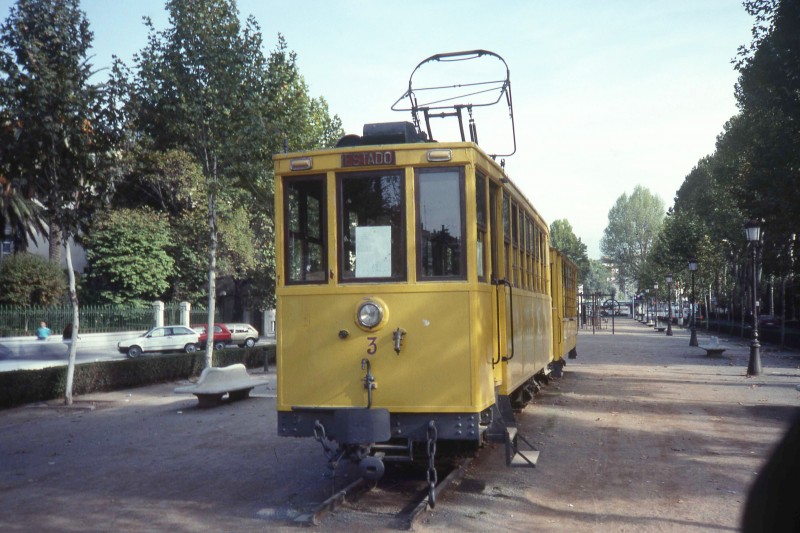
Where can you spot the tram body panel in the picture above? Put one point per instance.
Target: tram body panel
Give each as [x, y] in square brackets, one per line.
[564, 284]
[435, 370]
[532, 341]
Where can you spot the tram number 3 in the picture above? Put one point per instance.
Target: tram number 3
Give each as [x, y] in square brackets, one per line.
[372, 347]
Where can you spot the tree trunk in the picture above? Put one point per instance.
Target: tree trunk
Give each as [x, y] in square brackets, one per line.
[54, 243]
[783, 313]
[73, 347]
[212, 260]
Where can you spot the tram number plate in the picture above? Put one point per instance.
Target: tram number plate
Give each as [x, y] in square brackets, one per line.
[366, 159]
[372, 347]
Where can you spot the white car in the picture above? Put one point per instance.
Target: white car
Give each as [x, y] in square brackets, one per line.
[161, 339]
[243, 334]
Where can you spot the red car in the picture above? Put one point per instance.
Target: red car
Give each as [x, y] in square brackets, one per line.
[222, 335]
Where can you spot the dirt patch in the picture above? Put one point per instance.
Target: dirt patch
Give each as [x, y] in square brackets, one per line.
[643, 433]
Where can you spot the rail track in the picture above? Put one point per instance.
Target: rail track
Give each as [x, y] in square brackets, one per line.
[402, 496]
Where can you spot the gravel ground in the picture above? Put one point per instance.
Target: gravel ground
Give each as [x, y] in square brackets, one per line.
[643, 433]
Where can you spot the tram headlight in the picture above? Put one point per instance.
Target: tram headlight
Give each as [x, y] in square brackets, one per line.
[370, 314]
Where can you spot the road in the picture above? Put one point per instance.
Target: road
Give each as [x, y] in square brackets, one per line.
[30, 354]
[643, 433]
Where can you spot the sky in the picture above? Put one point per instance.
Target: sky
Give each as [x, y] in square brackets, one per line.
[608, 94]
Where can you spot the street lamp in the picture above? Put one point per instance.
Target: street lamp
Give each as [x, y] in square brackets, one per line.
[655, 288]
[692, 269]
[640, 306]
[669, 305]
[752, 231]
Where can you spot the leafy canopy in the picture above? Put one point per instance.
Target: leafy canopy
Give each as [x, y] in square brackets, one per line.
[633, 225]
[127, 259]
[563, 239]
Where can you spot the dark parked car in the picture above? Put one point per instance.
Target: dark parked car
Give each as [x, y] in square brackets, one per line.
[768, 321]
[222, 335]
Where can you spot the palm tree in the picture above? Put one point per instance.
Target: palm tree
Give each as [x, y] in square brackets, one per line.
[20, 217]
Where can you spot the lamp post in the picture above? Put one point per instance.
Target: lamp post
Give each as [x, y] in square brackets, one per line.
[669, 304]
[646, 306]
[640, 306]
[655, 288]
[692, 269]
[752, 231]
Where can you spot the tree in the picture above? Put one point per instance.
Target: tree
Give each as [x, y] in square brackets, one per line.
[117, 236]
[598, 279]
[29, 279]
[768, 93]
[563, 239]
[171, 182]
[201, 87]
[60, 126]
[633, 225]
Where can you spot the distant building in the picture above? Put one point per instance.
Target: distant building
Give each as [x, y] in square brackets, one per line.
[40, 246]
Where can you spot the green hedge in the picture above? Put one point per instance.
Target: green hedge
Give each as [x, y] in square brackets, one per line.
[30, 386]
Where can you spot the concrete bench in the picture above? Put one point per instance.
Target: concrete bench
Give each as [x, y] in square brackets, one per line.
[215, 382]
[713, 348]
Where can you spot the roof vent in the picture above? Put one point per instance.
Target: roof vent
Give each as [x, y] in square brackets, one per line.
[391, 133]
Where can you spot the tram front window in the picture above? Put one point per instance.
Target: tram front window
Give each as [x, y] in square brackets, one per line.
[440, 231]
[371, 223]
[304, 213]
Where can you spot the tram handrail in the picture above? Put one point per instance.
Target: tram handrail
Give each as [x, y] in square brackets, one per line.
[506, 283]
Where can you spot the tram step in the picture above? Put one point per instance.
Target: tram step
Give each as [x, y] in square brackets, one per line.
[512, 433]
[525, 458]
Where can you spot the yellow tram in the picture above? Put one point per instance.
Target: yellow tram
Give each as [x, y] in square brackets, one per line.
[415, 297]
[564, 291]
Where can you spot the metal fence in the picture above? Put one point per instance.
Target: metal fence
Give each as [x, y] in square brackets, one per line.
[23, 321]
[772, 334]
[197, 314]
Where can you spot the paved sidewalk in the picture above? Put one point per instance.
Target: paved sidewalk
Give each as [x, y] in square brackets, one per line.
[643, 433]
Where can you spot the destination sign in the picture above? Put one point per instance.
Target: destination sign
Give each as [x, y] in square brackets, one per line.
[366, 159]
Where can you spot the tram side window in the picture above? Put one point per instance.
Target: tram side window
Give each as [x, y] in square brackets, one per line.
[523, 260]
[537, 261]
[304, 213]
[567, 278]
[532, 253]
[440, 224]
[371, 222]
[543, 263]
[515, 244]
[480, 203]
[528, 252]
[507, 236]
